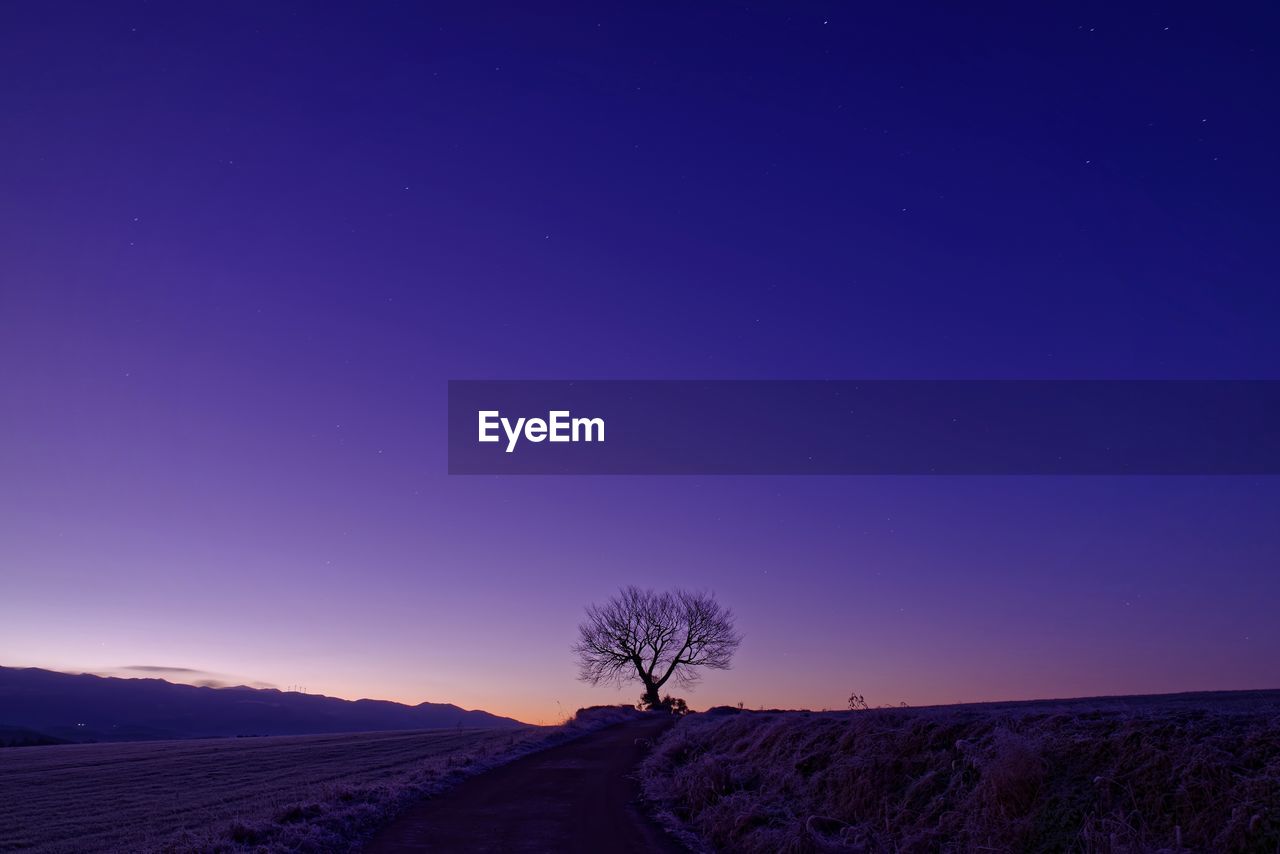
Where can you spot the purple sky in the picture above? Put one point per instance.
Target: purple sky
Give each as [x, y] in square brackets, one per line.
[242, 250]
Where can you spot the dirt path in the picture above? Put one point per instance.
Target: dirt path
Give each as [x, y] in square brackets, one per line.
[578, 797]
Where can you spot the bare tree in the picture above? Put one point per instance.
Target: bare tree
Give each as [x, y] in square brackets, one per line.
[655, 637]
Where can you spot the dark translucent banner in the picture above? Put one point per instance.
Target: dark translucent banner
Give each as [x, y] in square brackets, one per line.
[864, 427]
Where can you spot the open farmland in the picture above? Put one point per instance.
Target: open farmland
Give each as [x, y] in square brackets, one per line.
[319, 792]
[1198, 772]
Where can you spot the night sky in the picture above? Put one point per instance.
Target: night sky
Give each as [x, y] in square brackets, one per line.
[243, 246]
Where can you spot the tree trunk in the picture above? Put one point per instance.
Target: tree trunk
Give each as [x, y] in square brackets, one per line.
[651, 698]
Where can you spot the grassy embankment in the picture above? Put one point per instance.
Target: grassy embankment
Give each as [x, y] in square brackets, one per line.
[1176, 773]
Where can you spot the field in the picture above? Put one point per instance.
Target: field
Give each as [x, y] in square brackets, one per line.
[283, 793]
[1176, 773]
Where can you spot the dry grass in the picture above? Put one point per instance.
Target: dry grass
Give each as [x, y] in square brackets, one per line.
[1178, 774]
[287, 793]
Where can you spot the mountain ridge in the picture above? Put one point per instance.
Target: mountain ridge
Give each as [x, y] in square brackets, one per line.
[88, 707]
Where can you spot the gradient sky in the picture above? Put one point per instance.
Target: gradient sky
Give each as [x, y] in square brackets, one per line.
[243, 246]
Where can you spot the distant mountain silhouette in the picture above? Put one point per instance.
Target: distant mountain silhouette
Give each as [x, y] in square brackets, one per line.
[17, 736]
[83, 707]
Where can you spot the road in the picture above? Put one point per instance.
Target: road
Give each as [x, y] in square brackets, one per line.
[578, 798]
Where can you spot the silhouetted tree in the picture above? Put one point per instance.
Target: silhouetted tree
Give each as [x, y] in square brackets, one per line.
[655, 637]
